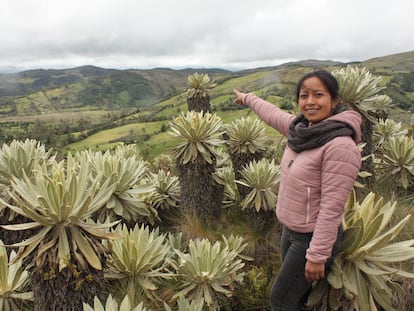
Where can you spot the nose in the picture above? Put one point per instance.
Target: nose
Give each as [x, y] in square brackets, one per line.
[310, 99]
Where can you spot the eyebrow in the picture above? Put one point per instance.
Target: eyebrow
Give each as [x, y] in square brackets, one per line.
[307, 89]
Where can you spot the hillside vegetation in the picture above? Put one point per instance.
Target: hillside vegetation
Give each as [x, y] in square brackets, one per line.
[91, 107]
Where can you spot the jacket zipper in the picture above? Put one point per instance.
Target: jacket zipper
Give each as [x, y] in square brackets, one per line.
[308, 204]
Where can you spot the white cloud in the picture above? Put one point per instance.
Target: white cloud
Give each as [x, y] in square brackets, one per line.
[184, 33]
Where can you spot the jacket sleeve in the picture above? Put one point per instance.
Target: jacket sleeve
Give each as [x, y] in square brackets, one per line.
[269, 113]
[340, 167]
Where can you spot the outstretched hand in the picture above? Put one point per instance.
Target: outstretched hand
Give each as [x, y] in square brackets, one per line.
[239, 97]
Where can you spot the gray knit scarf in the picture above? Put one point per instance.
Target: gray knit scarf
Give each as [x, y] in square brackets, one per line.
[303, 137]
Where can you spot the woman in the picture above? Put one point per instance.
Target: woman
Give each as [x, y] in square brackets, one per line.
[319, 167]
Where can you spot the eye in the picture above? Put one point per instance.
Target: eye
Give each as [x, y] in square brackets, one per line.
[303, 96]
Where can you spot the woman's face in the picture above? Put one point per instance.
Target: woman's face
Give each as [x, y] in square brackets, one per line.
[315, 101]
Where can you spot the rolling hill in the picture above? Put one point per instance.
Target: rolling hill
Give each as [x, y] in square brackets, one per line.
[41, 91]
[78, 106]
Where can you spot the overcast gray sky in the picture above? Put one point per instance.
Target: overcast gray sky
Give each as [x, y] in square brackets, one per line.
[231, 34]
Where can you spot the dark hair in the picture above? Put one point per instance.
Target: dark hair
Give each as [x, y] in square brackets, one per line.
[326, 78]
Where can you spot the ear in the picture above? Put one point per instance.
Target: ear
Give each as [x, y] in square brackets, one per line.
[335, 102]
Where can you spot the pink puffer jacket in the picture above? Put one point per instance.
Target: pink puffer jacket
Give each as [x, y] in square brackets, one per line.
[315, 183]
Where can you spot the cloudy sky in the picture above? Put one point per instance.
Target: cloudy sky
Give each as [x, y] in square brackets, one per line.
[231, 34]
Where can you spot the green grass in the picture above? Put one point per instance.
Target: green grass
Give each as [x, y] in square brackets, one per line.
[161, 143]
[109, 137]
[95, 116]
[23, 106]
[173, 111]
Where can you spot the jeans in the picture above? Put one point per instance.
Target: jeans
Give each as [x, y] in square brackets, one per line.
[290, 289]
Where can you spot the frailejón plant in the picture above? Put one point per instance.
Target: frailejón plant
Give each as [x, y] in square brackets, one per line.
[225, 176]
[396, 163]
[166, 190]
[112, 305]
[262, 178]
[359, 88]
[127, 174]
[138, 261]
[199, 135]
[246, 135]
[207, 272]
[199, 84]
[361, 276]
[184, 305]
[386, 129]
[20, 158]
[60, 204]
[13, 282]
[198, 98]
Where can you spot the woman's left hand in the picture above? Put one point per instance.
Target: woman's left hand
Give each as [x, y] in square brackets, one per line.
[314, 271]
